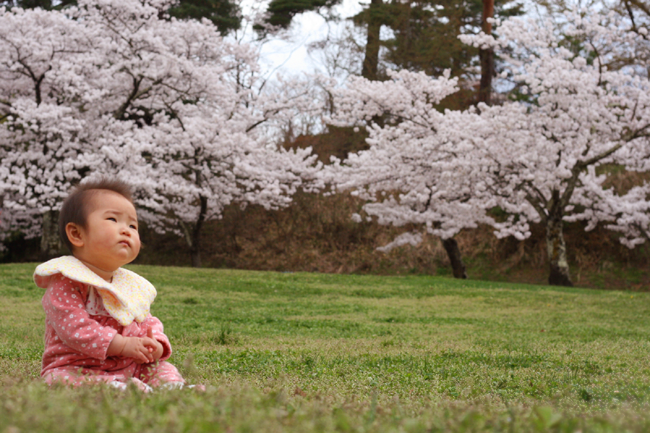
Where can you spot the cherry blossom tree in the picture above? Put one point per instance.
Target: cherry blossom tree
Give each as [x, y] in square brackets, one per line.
[412, 173]
[202, 141]
[543, 159]
[46, 100]
[168, 105]
[548, 158]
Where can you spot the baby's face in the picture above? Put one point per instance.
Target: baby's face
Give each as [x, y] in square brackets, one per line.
[111, 236]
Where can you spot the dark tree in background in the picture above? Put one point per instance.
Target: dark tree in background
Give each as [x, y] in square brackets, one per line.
[374, 17]
[281, 12]
[426, 39]
[33, 4]
[225, 14]
[486, 57]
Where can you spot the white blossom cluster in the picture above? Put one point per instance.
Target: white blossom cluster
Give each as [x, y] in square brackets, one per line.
[541, 158]
[413, 171]
[111, 87]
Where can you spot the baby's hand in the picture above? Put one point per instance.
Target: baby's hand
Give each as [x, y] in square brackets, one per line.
[155, 347]
[138, 349]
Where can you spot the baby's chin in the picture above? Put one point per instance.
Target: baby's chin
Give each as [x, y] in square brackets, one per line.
[123, 262]
[125, 256]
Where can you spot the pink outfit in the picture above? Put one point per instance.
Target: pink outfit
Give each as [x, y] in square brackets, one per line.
[78, 331]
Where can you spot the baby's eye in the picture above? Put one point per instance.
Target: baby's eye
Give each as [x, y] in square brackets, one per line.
[111, 219]
[133, 227]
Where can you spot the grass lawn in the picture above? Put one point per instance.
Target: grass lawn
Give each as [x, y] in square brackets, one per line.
[315, 352]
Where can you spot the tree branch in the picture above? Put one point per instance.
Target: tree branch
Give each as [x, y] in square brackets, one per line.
[631, 14]
[582, 164]
[534, 202]
[640, 5]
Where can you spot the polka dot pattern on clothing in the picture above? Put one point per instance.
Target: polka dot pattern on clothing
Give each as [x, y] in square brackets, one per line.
[127, 297]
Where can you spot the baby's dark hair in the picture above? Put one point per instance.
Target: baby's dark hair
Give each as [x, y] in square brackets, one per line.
[75, 207]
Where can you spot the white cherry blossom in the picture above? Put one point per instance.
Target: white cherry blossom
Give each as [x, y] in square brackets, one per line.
[112, 87]
[541, 160]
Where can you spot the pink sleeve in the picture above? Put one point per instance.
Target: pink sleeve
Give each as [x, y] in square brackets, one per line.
[66, 313]
[158, 333]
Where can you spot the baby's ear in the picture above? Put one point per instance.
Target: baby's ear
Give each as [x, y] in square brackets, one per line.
[75, 235]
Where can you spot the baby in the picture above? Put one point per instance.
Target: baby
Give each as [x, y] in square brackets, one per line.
[98, 326]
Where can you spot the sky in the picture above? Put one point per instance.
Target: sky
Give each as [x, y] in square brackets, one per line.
[289, 55]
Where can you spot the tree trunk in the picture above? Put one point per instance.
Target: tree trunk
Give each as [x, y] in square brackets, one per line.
[486, 56]
[195, 247]
[195, 253]
[371, 59]
[457, 265]
[50, 242]
[556, 251]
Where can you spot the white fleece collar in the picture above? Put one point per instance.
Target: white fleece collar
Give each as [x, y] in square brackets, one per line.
[127, 297]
